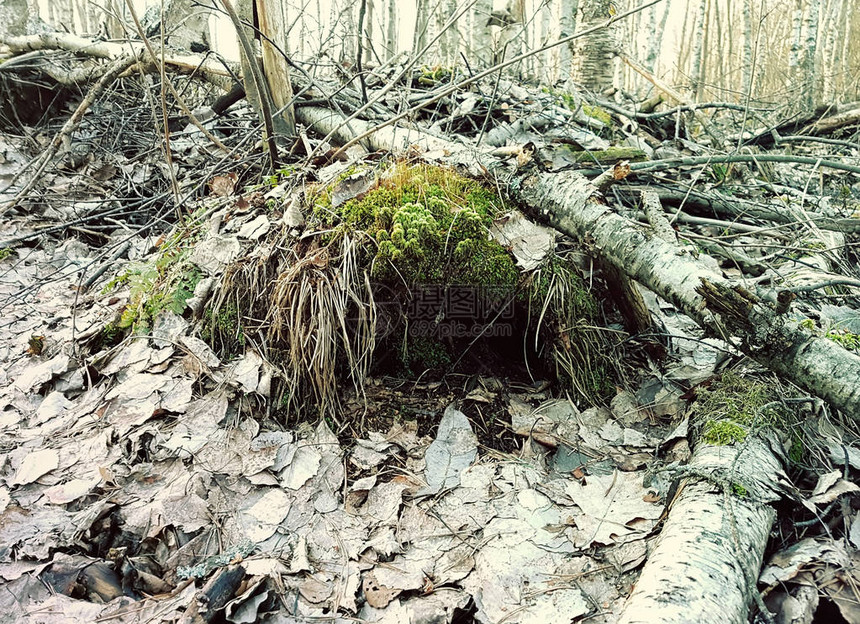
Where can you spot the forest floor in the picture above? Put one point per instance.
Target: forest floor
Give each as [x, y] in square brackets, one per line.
[147, 475]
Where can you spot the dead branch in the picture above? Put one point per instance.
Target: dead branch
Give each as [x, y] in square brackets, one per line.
[692, 161]
[213, 70]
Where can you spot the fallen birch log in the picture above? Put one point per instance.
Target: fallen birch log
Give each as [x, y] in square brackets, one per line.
[706, 561]
[567, 202]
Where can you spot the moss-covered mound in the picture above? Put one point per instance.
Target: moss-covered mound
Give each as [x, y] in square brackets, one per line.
[404, 278]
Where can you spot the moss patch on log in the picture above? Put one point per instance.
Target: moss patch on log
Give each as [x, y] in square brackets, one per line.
[730, 408]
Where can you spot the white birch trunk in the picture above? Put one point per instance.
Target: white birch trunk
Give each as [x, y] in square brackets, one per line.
[593, 65]
[453, 34]
[567, 26]
[747, 59]
[481, 41]
[368, 32]
[391, 30]
[810, 45]
[656, 40]
[834, 12]
[422, 25]
[185, 22]
[696, 65]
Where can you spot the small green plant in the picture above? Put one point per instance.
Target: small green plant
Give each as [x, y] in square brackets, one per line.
[845, 339]
[807, 324]
[724, 432]
[720, 172]
[5, 253]
[163, 282]
[434, 75]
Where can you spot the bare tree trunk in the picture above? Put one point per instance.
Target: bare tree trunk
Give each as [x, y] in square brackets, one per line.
[696, 64]
[391, 30]
[367, 33]
[593, 59]
[275, 67]
[567, 26]
[545, 70]
[683, 57]
[83, 15]
[834, 11]
[185, 22]
[481, 46]
[13, 18]
[746, 61]
[810, 48]
[845, 67]
[441, 17]
[346, 21]
[453, 33]
[657, 38]
[422, 25]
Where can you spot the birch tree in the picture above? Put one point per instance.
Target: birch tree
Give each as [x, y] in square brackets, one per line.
[810, 42]
[592, 61]
[746, 60]
[422, 25]
[567, 24]
[391, 30]
[698, 47]
[481, 43]
[656, 39]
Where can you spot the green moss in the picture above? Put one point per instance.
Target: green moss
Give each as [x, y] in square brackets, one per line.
[595, 112]
[429, 224]
[423, 353]
[5, 253]
[223, 329]
[724, 432]
[797, 449]
[731, 407]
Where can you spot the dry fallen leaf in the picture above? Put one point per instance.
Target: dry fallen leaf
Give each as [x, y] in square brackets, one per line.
[224, 184]
[35, 465]
[378, 596]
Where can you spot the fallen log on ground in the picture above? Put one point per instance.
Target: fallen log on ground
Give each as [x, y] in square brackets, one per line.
[567, 202]
[706, 562]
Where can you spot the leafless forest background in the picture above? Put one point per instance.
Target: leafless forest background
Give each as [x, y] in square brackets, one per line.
[770, 52]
